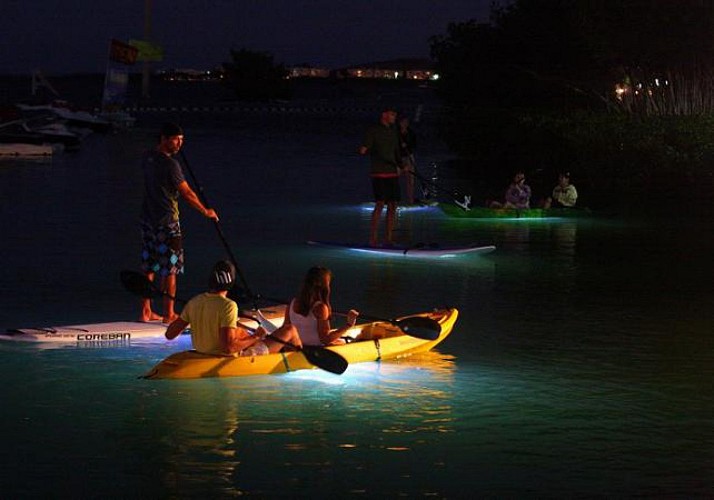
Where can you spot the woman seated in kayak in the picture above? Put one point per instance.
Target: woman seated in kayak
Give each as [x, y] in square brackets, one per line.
[214, 322]
[310, 311]
[564, 194]
[518, 193]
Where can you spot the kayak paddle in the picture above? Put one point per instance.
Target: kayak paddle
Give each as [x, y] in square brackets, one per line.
[465, 204]
[319, 356]
[420, 327]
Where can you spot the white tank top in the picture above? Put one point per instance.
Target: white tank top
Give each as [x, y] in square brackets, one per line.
[306, 325]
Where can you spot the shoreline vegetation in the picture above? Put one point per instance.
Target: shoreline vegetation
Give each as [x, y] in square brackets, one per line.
[619, 94]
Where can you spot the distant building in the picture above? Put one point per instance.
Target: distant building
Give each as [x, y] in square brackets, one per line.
[308, 72]
[190, 75]
[408, 69]
[397, 69]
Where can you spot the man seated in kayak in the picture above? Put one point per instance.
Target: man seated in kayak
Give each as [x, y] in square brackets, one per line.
[564, 194]
[310, 311]
[214, 322]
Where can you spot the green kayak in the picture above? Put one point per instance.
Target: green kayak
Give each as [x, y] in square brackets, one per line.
[512, 213]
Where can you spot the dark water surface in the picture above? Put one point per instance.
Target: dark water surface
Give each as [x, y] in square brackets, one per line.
[581, 364]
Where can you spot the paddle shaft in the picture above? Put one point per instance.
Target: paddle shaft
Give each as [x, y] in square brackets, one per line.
[317, 355]
[420, 327]
[204, 199]
[437, 187]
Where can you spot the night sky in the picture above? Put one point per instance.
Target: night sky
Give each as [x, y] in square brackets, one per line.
[68, 36]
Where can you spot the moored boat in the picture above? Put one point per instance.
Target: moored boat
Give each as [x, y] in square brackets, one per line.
[375, 341]
[38, 131]
[512, 213]
[73, 117]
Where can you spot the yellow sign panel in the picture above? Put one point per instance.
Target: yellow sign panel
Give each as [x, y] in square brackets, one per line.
[148, 51]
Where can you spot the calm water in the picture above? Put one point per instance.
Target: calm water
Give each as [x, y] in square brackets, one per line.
[581, 365]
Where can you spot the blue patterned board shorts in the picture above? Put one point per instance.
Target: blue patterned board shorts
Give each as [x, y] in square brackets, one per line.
[162, 250]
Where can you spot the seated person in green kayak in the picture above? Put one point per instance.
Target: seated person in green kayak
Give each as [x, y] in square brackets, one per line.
[564, 194]
[311, 310]
[214, 322]
[518, 193]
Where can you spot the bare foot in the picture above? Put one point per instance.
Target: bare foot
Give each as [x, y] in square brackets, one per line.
[169, 319]
[151, 316]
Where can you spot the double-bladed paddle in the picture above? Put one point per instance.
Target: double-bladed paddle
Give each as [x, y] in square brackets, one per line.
[465, 204]
[138, 284]
[319, 356]
[420, 327]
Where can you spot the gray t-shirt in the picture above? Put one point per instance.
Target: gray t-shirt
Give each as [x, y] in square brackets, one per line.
[162, 177]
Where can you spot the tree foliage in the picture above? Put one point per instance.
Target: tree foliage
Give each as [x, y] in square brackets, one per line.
[566, 53]
[615, 89]
[254, 76]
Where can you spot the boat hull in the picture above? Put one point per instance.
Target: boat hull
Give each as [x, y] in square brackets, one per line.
[372, 342]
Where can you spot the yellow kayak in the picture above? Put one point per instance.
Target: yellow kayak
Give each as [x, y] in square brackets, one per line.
[378, 340]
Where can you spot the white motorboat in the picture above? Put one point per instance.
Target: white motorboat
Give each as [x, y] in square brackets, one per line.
[38, 129]
[74, 118]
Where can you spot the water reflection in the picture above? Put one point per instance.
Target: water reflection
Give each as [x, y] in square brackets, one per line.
[218, 436]
[564, 238]
[184, 437]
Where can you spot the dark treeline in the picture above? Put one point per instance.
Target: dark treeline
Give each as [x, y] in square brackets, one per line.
[254, 75]
[621, 94]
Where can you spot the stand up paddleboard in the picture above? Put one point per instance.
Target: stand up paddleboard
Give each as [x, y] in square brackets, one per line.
[116, 332]
[98, 332]
[415, 250]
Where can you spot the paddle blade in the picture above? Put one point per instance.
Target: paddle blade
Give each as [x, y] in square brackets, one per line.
[326, 359]
[420, 327]
[138, 284]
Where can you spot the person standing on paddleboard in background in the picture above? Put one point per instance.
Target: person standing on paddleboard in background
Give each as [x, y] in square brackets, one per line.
[214, 321]
[311, 310]
[162, 246]
[381, 141]
[407, 145]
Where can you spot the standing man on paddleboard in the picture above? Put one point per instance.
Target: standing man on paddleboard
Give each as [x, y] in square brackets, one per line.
[382, 143]
[162, 245]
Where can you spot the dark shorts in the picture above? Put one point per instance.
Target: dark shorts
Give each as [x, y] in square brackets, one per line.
[385, 188]
[162, 249]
